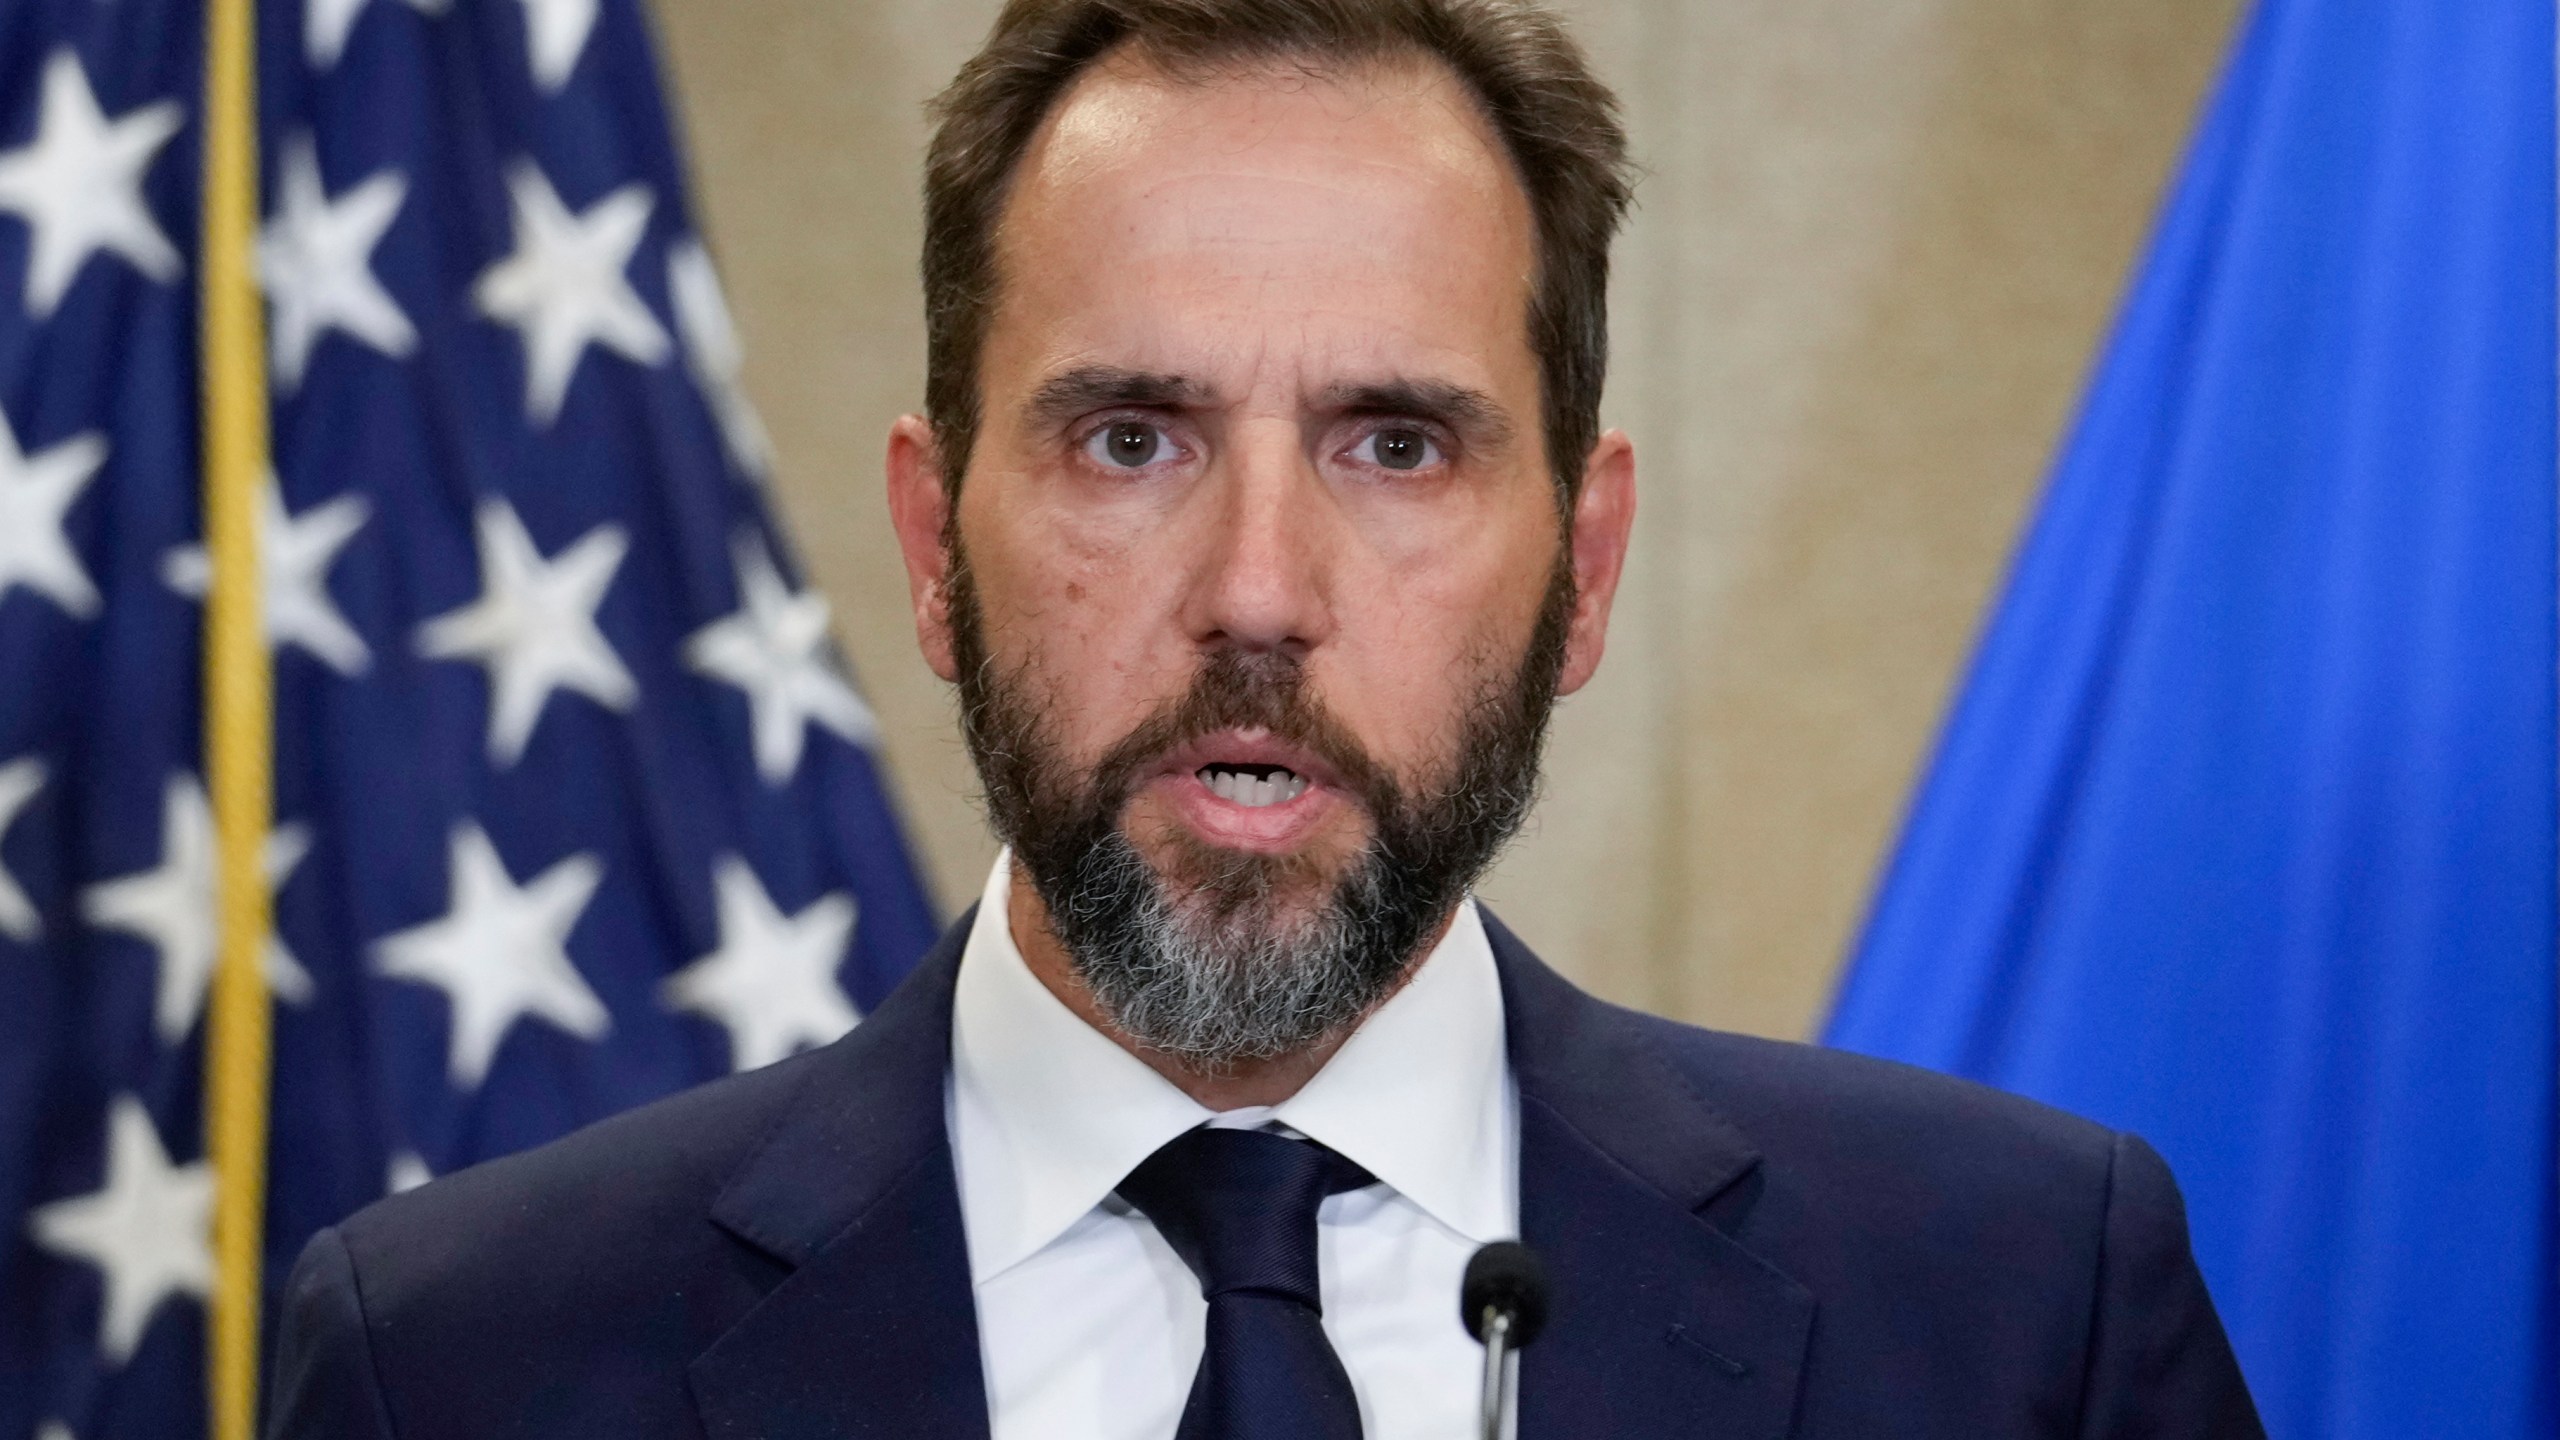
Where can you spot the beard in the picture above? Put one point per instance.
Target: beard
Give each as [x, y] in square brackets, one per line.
[1220, 956]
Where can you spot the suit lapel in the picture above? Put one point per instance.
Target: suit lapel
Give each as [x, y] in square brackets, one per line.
[1661, 1324]
[873, 1331]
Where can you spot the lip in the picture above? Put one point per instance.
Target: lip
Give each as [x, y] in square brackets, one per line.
[1268, 829]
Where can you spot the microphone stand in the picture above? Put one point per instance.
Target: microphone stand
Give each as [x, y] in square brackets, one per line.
[1496, 1409]
[1502, 1302]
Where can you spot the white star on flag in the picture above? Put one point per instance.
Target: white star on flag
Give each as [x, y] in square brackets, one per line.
[78, 185]
[713, 354]
[564, 288]
[148, 1230]
[406, 1171]
[555, 34]
[20, 779]
[36, 494]
[534, 626]
[315, 259]
[294, 556]
[774, 648]
[54, 1430]
[772, 982]
[173, 906]
[326, 23]
[498, 953]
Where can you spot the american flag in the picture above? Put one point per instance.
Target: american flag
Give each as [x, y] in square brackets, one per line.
[574, 802]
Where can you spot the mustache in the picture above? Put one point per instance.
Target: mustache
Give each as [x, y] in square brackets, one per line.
[1245, 690]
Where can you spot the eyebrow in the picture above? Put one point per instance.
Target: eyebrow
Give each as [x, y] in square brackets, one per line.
[1472, 413]
[1068, 394]
[1086, 388]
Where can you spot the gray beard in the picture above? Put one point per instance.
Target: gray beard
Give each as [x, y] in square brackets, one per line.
[1213, 971]
[1214, 983]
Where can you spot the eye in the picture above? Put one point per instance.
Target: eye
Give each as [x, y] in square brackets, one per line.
[1397, 447]
[1127, 445]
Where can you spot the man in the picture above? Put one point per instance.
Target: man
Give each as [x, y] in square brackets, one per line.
[1260, 513]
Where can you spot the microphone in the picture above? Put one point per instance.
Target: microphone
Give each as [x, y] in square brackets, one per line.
[1503, 1303]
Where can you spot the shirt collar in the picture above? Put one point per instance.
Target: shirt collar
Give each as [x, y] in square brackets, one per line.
[1048, 1114]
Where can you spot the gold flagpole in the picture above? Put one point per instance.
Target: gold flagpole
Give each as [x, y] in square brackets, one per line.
[238, 711]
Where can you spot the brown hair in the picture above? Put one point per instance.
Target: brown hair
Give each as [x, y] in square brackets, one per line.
[1558, 122]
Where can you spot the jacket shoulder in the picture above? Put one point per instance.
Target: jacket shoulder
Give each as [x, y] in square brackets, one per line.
[580, 1208]
[1856, 1122]
[461, 1305]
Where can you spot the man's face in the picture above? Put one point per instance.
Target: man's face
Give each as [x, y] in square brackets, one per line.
[1259, 526]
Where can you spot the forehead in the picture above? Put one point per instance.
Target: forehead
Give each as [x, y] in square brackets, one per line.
[1365, 216]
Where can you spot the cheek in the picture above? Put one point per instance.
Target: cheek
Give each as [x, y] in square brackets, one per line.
[1072, 604]
[1432, 634]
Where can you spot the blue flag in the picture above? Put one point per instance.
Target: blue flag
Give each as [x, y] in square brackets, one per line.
[2242, 833]
[574, 801]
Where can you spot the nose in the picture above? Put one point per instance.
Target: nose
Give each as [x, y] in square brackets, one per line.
[1265, 584]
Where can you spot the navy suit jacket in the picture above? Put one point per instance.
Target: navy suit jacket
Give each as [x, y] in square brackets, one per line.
[1747, 1239]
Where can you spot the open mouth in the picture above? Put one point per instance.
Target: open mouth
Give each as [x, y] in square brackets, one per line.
[1252, 786]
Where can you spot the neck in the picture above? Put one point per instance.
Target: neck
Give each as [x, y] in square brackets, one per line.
[1222, 1088]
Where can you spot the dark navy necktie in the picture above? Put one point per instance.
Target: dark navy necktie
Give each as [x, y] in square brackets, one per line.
[1239, 1207]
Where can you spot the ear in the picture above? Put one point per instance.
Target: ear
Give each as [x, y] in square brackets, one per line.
[1604, 517]
[919, 510]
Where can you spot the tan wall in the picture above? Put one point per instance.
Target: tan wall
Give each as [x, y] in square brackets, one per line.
[1878, 242]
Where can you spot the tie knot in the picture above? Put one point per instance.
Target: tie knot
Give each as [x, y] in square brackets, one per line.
[1239, 1207]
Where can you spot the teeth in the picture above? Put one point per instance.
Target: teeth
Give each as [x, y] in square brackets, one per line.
[1253, 791]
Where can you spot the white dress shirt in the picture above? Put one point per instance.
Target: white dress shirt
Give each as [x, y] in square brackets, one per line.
[1090, 1327]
